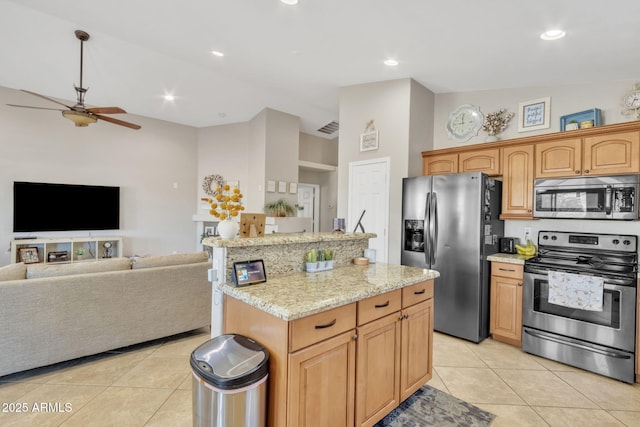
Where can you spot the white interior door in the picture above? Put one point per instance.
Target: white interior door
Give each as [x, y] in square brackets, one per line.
[309, 199]
[369, 192]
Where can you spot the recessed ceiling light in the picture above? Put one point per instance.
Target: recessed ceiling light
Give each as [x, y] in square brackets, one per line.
[169, 97]
[217, 53]
[391, 62]
[552, 35]
[289, 2]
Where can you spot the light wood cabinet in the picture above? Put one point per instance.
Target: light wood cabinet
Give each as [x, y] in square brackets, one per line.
[440, 164]
[517, 182]
[321, 383]
[346, 366]
[394, 352]
[486, 161]
[505, 311]
[612, 154]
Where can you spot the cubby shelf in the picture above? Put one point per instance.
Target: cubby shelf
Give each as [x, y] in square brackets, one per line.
[73, 249]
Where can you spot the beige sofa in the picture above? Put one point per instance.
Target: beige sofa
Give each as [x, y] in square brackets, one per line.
[52, 313]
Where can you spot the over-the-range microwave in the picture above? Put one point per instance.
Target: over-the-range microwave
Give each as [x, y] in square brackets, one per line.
[594, 197]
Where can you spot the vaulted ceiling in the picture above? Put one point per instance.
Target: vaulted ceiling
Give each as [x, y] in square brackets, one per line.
[296, 58]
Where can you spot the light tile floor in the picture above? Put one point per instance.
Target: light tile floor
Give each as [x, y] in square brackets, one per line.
[150, 385]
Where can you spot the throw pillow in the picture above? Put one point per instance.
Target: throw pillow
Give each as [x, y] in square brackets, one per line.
[13, 272]
[167, 260]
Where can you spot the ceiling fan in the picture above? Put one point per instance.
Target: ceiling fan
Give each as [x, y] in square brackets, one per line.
[79, 114]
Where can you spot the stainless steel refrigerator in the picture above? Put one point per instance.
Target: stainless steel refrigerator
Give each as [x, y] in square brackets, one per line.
[450, 223]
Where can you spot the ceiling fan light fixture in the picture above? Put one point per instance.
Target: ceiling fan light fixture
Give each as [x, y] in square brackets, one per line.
[80, 118]
[290, 2]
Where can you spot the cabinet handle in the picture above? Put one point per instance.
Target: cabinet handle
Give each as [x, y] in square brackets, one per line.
[355, 337]
[382, 305]
[419, 292]
[519, 283]
[401, 317]
[577, 172]
[327, 325]
[529, 210]
[586, 171]
[406, 316]
[506, 269]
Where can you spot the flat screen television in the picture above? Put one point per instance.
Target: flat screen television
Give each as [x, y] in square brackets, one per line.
[41, 206]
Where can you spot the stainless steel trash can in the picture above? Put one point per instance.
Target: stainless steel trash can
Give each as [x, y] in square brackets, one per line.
[230, 382]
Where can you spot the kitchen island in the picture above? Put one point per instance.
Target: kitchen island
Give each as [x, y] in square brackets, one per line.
[346, 345]
[325, 330]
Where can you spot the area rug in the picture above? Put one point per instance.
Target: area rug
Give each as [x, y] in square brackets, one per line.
[431, 407]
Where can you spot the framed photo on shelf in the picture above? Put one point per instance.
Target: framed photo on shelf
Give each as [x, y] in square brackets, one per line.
[209, 230]
[369, 141]
[534, 114]
[29, 255]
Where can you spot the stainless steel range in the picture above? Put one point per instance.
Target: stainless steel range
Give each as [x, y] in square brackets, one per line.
[579, 304]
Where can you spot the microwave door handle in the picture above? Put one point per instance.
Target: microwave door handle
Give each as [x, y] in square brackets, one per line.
[608, 200]
[425, 230]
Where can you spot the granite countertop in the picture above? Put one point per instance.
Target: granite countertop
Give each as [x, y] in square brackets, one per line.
[284, 239]
[509, 258]
[299, 295]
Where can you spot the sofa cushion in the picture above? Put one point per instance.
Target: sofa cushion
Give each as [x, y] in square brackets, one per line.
[166, 260]
[13, 272]
[35, 271]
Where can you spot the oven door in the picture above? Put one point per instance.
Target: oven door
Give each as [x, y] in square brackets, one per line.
[614, 326]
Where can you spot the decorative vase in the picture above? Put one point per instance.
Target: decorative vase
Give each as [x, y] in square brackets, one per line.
[491, 138]
[228, 229]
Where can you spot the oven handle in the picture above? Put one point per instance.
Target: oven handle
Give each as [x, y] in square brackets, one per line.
[544, 336]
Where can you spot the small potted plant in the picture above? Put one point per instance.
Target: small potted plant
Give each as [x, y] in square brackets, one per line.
[572, 125]
[279, 208]
[312, 260]
[79, 253]
[328, 257]
[322, 264]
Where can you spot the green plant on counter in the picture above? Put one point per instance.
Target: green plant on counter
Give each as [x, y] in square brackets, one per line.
[312, 256]
[328, 254]
[279, 208]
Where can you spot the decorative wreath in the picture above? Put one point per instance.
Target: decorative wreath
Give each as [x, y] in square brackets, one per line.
[210, 183]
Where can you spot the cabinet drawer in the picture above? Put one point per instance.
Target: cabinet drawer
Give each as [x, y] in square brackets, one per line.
[376, 307]
[318, 327]
[417, 293]
[503, 269]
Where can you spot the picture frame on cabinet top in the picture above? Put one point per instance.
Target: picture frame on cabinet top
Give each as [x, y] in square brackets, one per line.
[534, 114]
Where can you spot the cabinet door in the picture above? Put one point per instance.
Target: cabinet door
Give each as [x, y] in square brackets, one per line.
[559, 158]
[487, 161]
[440, 164]
[378, 369]
[505, 314]
[517, 182]
[322, 383]
[612, 154]
[416, 348]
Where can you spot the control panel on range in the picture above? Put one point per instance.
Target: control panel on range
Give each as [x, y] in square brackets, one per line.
[616, 242]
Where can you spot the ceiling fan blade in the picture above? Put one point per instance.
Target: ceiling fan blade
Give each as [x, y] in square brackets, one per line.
[107, 110]
[118, 122]
[37, 108]
[47, 98]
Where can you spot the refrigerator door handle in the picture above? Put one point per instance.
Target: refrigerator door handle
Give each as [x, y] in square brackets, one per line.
[433, 227]
[425, 231]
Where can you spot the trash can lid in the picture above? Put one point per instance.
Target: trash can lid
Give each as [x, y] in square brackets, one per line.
[230, 361]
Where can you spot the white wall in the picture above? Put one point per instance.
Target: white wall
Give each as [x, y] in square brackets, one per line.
[39, 145]
[389, 104]
[420, 126]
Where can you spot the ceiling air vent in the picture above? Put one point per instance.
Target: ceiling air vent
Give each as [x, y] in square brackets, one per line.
[329, 128]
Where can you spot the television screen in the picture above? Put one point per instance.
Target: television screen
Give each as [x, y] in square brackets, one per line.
[62, 207]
